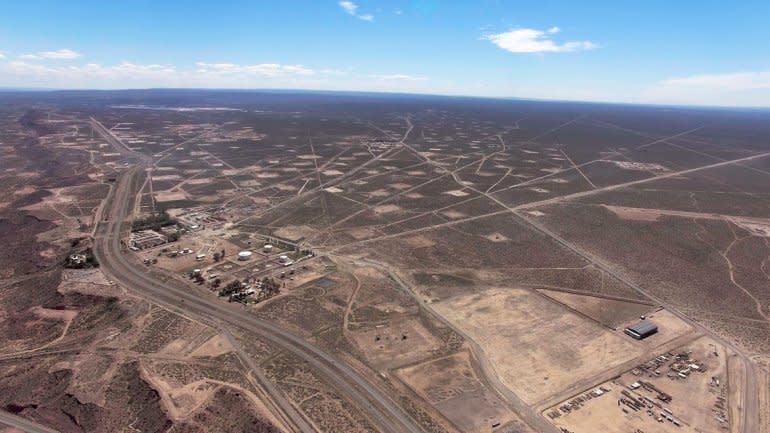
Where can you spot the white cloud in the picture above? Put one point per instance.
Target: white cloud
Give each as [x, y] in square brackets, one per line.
[351, 9]
[62, 54]
[398, 11]
[397, 77]
[2, 56]
[536, 41]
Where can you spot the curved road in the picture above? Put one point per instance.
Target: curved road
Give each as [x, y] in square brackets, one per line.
[383, 412]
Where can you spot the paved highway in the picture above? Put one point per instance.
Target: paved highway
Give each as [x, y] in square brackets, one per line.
[383, 412]
[23, 424]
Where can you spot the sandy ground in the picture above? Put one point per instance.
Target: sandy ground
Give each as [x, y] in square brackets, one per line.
[450, 384]
[361, 232]
[419, 241]
[531, 341]
[161, 196]
[214, 346]
[609, 312]
[48, 313]
[295, 232]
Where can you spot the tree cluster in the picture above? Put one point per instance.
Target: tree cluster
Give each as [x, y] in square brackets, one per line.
[231, 287]
[153, 222]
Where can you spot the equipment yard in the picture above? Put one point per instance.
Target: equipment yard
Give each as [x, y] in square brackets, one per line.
[658, 395]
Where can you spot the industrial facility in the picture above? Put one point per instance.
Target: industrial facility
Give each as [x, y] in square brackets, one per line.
[143, 239]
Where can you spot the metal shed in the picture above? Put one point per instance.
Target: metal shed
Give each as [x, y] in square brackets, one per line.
[641, 330]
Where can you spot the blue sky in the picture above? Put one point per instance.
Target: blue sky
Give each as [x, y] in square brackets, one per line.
[682, 52]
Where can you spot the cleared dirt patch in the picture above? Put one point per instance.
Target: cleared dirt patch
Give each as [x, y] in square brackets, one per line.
[162, 196]
[531, 341]
[453, 214]
[50, 313]
[634, 214]
[397, 343]
[496, 237]
[386, 208]
[457, 193]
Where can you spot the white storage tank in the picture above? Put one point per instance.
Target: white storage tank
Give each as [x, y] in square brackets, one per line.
[244, 255]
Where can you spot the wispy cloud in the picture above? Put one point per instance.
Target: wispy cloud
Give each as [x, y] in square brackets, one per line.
[536, 41]
[736, 88]
[730, 81]
[349, 7]
[62, 54]
[398, 77]
[352, 9]
[121, 70]
[261, 69]
[132, 75]
[2, 56]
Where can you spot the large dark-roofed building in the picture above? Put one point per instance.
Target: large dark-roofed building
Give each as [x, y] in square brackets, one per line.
[641, 330]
